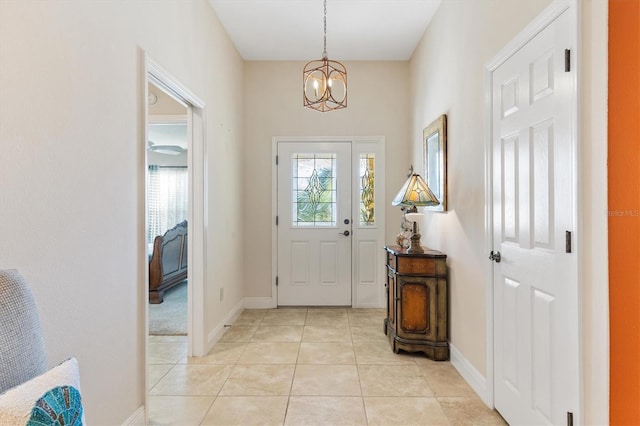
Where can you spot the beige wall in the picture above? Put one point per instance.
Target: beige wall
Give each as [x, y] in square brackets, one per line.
[72, 173]
[378, 106]
[447, 76]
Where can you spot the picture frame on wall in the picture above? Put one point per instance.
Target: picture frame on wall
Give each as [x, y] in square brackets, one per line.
[434, 140]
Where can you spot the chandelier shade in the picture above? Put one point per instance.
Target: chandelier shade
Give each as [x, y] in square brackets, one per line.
[324, 82]
[325, 85]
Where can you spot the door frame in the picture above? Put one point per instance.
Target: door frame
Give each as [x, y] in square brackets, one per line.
[152, 72]
[379, 142]
[546, 17]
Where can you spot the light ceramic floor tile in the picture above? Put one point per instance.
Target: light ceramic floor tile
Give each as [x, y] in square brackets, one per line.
[278, 333]
[166, 353]
[239, 333]
[250, 317]
[380, 353]
[194, 380]
[253, 380]
[247, 410]
[368, 333]
[322, 411]
[157, 372]
[404, 411]
[393, 380]
[270, 353]
[366, 316]
[469, 411]
[445, 380]
[222, 353]
[178, 410]
[326, 380]
[327, 317]
[326, 353]
[285, 317]
[315, 333]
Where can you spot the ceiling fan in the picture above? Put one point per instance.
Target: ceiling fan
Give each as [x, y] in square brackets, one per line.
[165, 149]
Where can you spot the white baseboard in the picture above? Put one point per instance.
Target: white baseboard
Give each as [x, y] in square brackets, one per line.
[218, 331]
[137, 418]
[259, 303]
[367, 306]
[468, 372]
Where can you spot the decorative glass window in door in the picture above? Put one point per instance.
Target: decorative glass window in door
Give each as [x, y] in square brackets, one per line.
[367, 168]
[314, 190]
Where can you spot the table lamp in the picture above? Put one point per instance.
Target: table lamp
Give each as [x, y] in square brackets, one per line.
[415, 193]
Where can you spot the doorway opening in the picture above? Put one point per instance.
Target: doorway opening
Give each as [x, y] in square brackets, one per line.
[167, 213]
[190, 120]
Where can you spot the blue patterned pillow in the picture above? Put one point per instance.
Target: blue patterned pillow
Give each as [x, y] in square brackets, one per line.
[61, 406]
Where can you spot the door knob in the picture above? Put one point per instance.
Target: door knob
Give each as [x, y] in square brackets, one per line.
[345, 233]
[495, 256]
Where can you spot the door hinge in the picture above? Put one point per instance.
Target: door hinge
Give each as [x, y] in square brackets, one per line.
[276, 281]
[276, 220]
[276, 160]
[567, 241]
[567, 60]
[569, 418]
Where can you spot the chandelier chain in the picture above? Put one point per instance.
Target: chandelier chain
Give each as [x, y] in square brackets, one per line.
[324, 52]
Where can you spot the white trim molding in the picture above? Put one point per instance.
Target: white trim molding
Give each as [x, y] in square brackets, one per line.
[259, 303]
[469, 373]
[196, 155]
[219, 330]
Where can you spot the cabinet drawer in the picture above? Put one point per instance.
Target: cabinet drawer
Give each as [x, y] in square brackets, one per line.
[391, 260]
[416, 265]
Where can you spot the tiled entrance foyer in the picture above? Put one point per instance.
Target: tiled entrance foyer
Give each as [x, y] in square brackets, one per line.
[314, 366]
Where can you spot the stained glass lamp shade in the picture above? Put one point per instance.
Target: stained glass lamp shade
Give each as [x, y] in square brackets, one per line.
[415, 193]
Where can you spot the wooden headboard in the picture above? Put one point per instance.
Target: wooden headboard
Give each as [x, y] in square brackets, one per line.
[168, 264]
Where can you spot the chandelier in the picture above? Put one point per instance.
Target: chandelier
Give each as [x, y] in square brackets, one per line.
[324, 82]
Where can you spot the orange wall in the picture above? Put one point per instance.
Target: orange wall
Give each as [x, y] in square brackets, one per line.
[624, 206]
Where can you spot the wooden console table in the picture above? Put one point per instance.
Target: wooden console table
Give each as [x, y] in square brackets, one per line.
[416, 291]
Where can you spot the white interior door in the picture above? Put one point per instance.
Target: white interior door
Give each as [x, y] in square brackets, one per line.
[314, 224]
[536, 354]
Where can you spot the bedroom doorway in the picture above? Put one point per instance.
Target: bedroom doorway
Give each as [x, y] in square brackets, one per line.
[167, 214]
[174, 131]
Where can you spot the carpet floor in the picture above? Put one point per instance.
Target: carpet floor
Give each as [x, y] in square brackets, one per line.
[170, 317]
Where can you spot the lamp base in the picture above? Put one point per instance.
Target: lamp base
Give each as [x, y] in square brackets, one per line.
[414, 244]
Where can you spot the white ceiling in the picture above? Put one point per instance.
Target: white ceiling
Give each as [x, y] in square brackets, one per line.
[357, 30]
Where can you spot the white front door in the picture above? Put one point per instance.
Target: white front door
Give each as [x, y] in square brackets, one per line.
[314, 224]
[536, 345]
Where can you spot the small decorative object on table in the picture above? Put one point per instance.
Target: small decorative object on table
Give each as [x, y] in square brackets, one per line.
[404, 237]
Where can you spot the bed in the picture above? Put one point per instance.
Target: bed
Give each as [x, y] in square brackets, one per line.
[168, 263]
